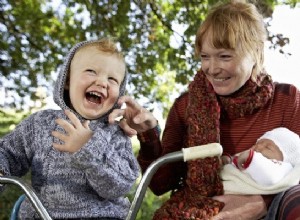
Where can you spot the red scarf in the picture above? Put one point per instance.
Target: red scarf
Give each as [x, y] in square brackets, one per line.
[203, 117]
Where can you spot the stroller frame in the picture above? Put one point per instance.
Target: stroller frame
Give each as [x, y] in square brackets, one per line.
[208, 150]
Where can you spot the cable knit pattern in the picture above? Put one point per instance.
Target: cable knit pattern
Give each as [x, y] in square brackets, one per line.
[89, 183]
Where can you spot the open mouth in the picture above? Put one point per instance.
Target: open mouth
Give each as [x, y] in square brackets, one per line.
[93, 97]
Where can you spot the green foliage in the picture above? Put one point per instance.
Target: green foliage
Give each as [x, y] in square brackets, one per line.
[9, 197]
[8, 120]
[35, 36]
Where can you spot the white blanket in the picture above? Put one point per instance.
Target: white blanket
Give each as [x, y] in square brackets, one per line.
[237, 182]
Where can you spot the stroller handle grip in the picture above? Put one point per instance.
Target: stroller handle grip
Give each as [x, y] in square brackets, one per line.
[202, 151]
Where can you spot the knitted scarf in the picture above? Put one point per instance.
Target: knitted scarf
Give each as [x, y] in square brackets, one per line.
[203, 116]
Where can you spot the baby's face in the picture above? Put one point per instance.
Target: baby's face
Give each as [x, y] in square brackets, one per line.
[269, 149]
[95, 79]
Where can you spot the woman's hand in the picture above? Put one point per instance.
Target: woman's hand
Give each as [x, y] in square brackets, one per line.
[136, 119]
[77, 134]
[241, 207]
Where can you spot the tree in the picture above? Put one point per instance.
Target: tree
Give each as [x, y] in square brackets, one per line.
[36, 34]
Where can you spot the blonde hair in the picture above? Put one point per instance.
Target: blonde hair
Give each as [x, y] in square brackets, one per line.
[238, 26]
[106, 45]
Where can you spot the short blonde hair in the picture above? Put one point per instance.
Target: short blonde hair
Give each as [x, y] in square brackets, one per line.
[238, 26]
[106, 45]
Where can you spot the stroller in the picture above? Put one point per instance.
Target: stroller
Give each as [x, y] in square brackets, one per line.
[186, 154]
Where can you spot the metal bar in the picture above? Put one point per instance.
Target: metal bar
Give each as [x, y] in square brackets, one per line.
[146, 178]
[31, 195]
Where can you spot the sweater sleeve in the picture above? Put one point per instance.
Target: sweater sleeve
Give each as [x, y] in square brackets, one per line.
[15, 149]
[108, 163]
[165, 179]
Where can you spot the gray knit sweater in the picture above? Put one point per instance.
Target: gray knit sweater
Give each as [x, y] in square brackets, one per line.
[89, 183]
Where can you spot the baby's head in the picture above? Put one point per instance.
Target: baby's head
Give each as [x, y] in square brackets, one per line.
[287, 142]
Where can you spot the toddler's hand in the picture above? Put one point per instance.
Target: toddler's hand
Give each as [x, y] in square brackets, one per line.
[77, 133]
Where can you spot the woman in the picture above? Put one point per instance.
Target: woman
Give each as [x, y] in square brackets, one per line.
[232, 100]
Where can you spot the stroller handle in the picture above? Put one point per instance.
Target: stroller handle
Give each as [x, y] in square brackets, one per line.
[202, 151]
[197, 152]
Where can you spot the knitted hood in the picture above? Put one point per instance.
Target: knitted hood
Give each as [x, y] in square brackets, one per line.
[61, 96]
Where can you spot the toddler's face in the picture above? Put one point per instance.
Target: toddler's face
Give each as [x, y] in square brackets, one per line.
[95, 79]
